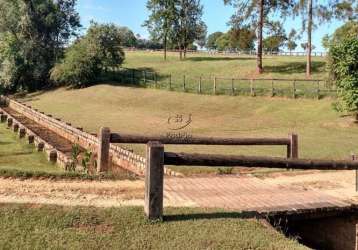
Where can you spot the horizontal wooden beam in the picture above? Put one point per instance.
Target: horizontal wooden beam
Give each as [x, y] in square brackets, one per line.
[139, 139]
[254, 161]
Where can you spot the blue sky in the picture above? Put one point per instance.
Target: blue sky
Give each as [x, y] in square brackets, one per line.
[132, 13]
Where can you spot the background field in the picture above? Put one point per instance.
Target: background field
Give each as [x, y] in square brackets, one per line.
[323, 133]
[230, 74]
[224, 66]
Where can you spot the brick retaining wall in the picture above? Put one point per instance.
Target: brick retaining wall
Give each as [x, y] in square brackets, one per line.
[121, 157]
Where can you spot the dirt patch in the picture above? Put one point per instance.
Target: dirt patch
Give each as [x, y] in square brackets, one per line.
[57, 141]
[72, 193]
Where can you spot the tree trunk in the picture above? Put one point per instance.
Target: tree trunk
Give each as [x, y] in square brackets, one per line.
[259, 36]
[180, 52]
[165, 47]
[309, 39]
[184, 52]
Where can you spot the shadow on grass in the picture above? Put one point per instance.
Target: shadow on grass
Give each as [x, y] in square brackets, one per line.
[131, 77]
[15, 154]
[5, 143]
[204, 58]
[215, 215]
[294, 67]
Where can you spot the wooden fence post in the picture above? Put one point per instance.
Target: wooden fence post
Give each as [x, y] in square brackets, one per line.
[294, 89]
[292, 148]
[232, 86]
[184, 82]
[252, 89]
[52, 156]
[9, 122]
[22, 133]
[214, 90]
[170, 81]
[3, 118]
[16, 127]
[40, 146]
[31, 139]
[153, 198]
[103, 150]
[318, 90]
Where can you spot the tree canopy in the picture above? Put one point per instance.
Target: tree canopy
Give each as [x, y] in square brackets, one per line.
[97, 52]
[33, 36]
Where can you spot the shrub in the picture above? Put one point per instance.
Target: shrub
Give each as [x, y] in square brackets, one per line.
[344, 57]
[85, 61]
[78, 68]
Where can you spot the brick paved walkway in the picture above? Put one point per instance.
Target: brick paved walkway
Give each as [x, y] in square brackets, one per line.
[285, 193]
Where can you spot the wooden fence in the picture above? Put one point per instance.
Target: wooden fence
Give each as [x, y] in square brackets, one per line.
[231, 86]
[157, 158]
[106, 137]
[235, 53]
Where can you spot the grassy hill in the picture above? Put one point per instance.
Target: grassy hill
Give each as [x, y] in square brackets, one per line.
[323, 133]
[44, 227]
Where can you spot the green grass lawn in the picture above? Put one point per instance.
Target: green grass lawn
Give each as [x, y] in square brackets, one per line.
[323, 133]
[224, 68]
[16, 154]
[45, 227]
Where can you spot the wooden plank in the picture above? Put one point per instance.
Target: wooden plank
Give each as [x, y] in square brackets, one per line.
[139, 139]
[254, 161]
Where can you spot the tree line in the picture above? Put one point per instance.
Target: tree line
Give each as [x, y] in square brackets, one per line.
[171, 24]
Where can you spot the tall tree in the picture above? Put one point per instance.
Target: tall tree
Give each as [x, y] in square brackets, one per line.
[34, 34]
[277, 37]
[256, 13]
[189, 26]
[291, 40]
[161, 20]
[211, 41]
[242, 38]
[315, 11]
[128, 39]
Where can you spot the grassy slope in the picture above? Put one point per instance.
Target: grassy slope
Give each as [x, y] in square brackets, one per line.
[322, 132]
[18, 155]
[43, 227]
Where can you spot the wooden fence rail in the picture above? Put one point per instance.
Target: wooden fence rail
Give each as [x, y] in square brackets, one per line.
[186, 159]
[106, 137]
[157, 158]
[140, 139]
